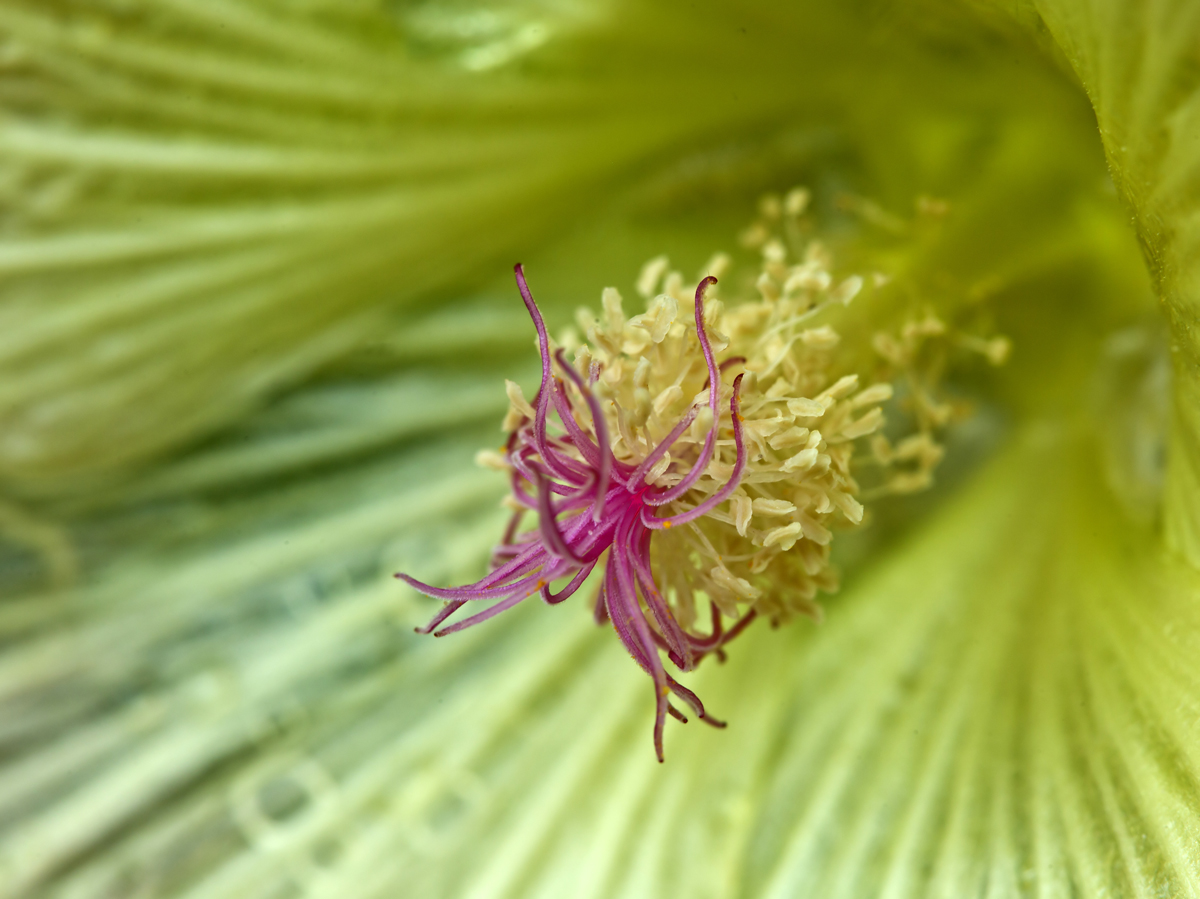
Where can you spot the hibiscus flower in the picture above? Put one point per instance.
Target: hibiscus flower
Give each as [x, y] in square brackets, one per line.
[255, 321]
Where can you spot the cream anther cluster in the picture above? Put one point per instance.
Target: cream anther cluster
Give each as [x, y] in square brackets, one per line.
[768, 547]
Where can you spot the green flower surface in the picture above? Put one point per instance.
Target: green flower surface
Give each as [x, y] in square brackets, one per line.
[255, 322]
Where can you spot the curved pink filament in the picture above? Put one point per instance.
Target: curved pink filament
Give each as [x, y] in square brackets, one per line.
[590, 503]
[491, 612]
[729, 486]
[543, 398]
[601, 428]
[639, 474]
[714, 380]
[566, 592]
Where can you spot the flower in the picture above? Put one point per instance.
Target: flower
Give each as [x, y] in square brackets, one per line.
[591, 505]
[249, 345]
[614, 505]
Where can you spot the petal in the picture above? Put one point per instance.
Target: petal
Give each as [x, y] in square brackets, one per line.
[1139, 63]
[206, 202]
[1006, 705]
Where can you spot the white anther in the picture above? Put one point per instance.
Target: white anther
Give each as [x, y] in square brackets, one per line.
[847, 290]
[658, 469]
[568, 339]
[769, 207]
[791, 437]
[663, 310]
[610, 299]
[802, 461]
[754, 236]
[814, 531]
[583, 361]
[803, 407]
[797, 201]
[651, 275]
[641, 406]
[667, 398]
[850, 507]
[913, 446]
[840, 388]
[910, 482]
[492, 459]
[998, 350]
[781, 387]
[512, 420]
[806, 277]
[675, 287]
[876, 393]
[765, 427]
[585, 320]
[718, 266]
[822, 338]
[868, 424]
[767, 287]
[735, 585]
[517, 399]
[773, 507]
[716, 339]
[742, 509]
[818, 254]
[713, 310]
[785, 537]
[811, 558]
[641, 374]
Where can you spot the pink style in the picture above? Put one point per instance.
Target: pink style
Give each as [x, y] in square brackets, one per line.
[588, 503]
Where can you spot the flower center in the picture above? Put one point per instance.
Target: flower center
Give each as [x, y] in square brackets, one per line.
[702, 493]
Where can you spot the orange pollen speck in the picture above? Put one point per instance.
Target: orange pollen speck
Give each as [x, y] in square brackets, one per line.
[666, 525]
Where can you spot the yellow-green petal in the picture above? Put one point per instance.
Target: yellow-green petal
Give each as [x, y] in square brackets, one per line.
[1139, 60]
[1005, 705]
[232, 702]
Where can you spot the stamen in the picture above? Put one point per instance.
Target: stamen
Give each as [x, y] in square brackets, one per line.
[642, 495]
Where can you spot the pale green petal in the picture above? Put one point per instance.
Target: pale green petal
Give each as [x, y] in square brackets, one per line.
[232, 702]
[1006, 705]
[206, 201]
[137, 708]
[1139, 63]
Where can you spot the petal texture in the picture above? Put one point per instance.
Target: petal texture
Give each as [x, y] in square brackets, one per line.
[1005, 706]
[1139, 61]
[205, 202]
